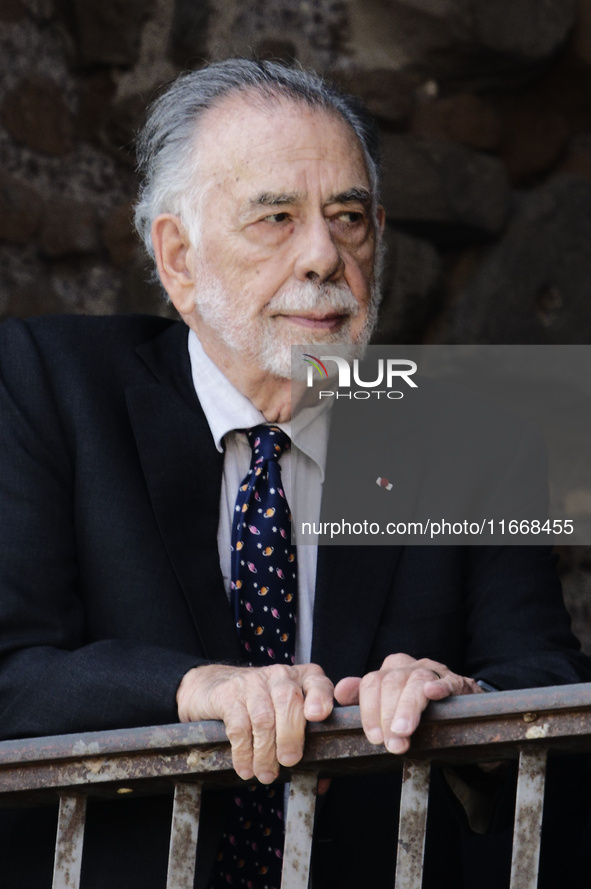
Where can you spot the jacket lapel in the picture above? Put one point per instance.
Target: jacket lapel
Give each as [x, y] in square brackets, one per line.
[183, 472]
[352, 581]
[351, 588]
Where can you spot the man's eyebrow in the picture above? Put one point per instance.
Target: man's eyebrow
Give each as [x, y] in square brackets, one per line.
[350, 196]
[284, 199]
[271, 199]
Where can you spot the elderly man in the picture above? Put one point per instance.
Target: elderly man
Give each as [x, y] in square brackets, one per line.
[126, 446]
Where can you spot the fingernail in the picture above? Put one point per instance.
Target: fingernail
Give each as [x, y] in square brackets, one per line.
[314, 710]
[401, 726]
[375, 736]
[396, 745]
[290, 758]
[267, 777]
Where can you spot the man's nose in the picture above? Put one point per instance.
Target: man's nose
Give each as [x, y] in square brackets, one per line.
[319, 257]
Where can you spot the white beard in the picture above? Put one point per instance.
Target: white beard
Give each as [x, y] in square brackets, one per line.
[268, 341]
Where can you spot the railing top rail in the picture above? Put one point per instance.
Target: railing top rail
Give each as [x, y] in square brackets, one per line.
[460, 712]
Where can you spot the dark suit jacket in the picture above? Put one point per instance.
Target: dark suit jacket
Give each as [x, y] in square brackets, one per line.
[110, 587]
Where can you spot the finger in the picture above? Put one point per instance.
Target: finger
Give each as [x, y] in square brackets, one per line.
[370, 696]
[438, 690]
[239, 732]
[411, 701]
[451, 684]
[399, 661]
[347, 691]
[262, 717]
[318, 692]
[290, 722]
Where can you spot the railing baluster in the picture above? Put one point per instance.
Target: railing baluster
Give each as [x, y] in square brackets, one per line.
[183, 835]
[69, 841]
[413, 824]
[298, 830]
[528, 819]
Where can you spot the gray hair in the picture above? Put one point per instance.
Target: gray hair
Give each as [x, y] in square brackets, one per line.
[167, 159]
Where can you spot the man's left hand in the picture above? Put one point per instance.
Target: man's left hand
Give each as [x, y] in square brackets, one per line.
[392, 699]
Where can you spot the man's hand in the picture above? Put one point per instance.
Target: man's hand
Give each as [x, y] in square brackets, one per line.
[264, 710]
[392, 699]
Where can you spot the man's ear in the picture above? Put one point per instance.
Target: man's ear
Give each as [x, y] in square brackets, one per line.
[172, 249]
[381, 219]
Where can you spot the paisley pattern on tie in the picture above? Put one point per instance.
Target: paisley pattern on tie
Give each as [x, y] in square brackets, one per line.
[264, 588]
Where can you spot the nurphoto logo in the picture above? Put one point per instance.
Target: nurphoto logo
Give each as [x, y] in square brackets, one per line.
[388, 372]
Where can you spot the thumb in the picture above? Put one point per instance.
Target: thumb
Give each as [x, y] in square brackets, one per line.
[347, 691]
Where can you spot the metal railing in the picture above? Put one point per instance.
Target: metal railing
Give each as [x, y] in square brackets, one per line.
[489, 727]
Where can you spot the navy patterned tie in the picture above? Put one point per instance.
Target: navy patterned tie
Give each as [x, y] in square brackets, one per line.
[263, 559]
[264, 588]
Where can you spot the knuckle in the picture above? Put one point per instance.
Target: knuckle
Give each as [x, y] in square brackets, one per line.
[238, 734]
[241, 746]
[314, 671]
[370, 681]
[288, 696]
[279, 673]
[424, 674]
[262, 719]
[398, 661]
[431, 665]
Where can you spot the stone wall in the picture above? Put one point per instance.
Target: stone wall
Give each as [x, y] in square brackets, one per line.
[486, 114]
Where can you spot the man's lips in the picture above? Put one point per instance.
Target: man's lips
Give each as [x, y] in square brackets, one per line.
[329, 322]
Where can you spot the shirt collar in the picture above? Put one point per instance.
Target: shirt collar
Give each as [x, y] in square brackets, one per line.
[226, 409]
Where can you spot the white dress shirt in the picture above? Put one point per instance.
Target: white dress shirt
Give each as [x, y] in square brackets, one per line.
[302, 470]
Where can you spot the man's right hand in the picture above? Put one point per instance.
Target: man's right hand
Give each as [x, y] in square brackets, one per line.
[264, 710]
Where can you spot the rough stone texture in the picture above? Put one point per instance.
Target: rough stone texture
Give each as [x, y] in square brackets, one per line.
[69, 227]
[463, 118]
[119, 236]
[86, 285]
[526, 29]
[109, 31]
[389, 95]
[534, 138]
[119, 128]
[276, 49]
[34, 114]
[140, 293]
[578, 157]
[188, 35]
[442, 189]
[20, 210]
[22, 271]
[412, 284]
[94, 105]
[32, 299]
[316, 28]
[458, 38]
[42, 10]
[581, 40]
[12, 11]
[533, 286]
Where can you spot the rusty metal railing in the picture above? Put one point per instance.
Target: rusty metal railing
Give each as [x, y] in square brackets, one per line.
[489, 727]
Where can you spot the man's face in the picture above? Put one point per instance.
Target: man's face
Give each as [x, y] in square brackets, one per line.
[287, 241]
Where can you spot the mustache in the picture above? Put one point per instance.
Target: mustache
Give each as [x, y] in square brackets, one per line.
[307, 295]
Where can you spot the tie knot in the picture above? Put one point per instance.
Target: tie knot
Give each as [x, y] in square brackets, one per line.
[268, 442]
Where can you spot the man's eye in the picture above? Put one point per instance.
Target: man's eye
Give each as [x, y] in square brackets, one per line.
[350, 217]
[277, 218]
